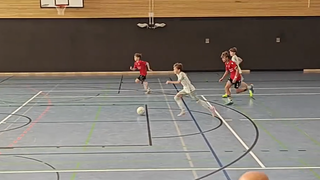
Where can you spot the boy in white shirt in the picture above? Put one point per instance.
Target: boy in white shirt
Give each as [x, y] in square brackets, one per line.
[188, 89]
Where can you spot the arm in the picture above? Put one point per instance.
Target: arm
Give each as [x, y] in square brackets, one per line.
[240, 60]
[133, 68]
[237, 59]
[224, 75]
[148, 65]
[173, 82]
[237, 74]
[180, 78]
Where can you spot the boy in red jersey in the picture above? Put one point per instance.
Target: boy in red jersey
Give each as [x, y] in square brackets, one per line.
[142, 67]
[235, 77]
[238, 61]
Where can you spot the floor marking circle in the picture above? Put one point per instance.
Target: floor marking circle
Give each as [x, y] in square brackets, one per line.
[15, 128]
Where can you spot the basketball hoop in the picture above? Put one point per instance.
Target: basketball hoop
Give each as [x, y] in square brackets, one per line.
[61, 8]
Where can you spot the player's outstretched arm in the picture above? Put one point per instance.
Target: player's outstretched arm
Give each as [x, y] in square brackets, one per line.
[132, 68]
[240, 60]
[224, 75]
[173, 82]
[148, 65]
[237, 74]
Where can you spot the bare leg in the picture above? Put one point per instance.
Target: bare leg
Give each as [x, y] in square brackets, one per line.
[228, 92]
[203, 103]
[244, 87]
[146, 87]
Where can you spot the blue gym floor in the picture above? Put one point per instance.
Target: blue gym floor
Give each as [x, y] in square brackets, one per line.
[86, 128]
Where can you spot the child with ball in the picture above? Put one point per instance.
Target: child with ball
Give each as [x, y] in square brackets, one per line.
[188, 89]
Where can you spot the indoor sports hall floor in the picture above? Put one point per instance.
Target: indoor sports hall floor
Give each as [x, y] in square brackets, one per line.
[86, 128]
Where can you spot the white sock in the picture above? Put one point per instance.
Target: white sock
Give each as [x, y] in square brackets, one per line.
[179, 102]
[145, 85]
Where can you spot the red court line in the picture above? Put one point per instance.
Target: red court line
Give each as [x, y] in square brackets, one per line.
[33, 123]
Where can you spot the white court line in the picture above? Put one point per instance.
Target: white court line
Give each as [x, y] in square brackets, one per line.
[207, 95]
[283, 119]
[6, 118]
[270, 94]
[236, 135]
[154, 169]
[179, 134]
[25, 111]
[16, 119]
[199, 89]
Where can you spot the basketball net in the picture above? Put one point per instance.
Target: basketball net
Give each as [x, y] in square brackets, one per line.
[61, 8]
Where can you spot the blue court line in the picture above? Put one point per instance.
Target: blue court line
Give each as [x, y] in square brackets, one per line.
[204, 137]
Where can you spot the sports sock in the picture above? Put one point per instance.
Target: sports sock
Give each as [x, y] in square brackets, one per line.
[179, 102]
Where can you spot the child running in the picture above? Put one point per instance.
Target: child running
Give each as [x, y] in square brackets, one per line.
[238, 61]
[235, 77]
[188, 89]
[142, 67]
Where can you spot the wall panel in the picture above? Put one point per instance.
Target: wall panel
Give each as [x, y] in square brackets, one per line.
[109, 44]
[92, 9]
[233, 8]
[164, 8]
[315, 4]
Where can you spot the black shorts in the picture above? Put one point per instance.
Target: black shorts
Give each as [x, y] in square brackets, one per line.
[236, 84]
[142, 78]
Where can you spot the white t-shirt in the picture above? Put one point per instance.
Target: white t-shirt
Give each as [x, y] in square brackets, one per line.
[235, 59]
[185, 82]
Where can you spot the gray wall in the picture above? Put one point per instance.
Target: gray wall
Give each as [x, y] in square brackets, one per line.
[109, 44]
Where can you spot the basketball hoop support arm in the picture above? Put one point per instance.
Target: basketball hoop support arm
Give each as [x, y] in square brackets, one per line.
[151, 24]
[151, 12]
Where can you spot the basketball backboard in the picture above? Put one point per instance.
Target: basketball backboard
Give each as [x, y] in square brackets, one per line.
[53, 3]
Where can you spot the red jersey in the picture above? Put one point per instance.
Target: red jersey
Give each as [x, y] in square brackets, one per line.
[141, 66]
[231, 67]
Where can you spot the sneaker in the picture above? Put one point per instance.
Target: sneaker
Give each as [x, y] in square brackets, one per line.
[148, 91]
[251, 90]
[230, 102]
[225, 96]
[181, 113]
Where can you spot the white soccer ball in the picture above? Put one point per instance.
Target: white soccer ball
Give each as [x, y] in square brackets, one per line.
[141, 111]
